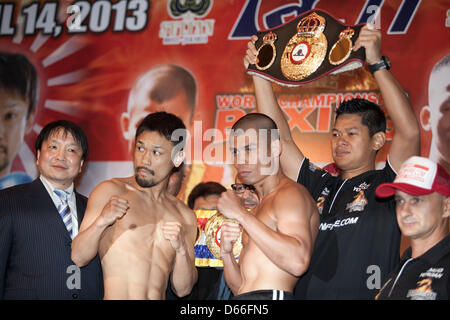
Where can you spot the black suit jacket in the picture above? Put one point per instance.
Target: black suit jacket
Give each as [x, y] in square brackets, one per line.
[35, 249]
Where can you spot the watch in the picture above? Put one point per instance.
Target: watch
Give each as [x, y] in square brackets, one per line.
[384, 63]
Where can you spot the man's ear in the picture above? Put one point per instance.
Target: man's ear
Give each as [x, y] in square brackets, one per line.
[424, 117]
[446, 208]
[125, 125]
[179, 158]
[378, 140]
[81, 166]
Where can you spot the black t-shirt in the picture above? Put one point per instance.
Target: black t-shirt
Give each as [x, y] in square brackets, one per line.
[423, 278]
[358, 241]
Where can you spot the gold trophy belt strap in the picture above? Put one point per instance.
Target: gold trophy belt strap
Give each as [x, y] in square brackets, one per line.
[303, 47]
[213, 233]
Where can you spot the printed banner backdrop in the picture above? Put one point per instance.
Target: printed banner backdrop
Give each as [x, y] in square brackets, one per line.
[90, 56]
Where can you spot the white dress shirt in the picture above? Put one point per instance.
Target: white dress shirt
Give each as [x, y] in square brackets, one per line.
[57, 202]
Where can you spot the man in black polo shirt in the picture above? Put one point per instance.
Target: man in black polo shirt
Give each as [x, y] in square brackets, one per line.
[422, 197]
[358, 240]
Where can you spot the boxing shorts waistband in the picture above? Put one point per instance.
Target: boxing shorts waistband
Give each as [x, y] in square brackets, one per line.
[265, 295]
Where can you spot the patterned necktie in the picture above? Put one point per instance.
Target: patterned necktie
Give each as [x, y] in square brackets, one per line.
[64, 210]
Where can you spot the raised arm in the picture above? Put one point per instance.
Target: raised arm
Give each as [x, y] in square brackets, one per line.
[103, 209]
[291, 156]
[406, 140]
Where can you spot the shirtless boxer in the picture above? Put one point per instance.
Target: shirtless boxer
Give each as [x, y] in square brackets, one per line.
[142, 233]
[279, 233]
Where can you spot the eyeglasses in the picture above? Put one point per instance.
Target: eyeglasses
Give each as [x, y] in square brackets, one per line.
[241, 187]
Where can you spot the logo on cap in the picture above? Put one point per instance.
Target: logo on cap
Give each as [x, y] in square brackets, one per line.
[418, 176]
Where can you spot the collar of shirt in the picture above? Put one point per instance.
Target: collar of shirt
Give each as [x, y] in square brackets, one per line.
[50, 188]
[434, 254]
[57, 201]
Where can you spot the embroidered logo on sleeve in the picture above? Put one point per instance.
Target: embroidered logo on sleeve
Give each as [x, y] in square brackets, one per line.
[321, 200]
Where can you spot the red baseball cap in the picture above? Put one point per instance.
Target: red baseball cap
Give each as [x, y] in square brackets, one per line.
[418, 176]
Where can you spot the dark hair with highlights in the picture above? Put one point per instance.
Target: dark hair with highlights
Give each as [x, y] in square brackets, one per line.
[166, 124]
[371, 114]
[204, 189]
[19, 76]
[67, 127]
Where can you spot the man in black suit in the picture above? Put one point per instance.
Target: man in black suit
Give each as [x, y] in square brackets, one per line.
[38, 221]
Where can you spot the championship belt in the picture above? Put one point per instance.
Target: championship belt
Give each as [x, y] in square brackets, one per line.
[207, 245]
[213, 233]
[203, 257]
[307, 48]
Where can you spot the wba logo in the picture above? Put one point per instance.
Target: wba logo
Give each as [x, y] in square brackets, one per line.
[188, 27]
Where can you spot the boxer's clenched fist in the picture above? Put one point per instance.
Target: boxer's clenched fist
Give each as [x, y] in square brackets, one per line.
[114, 209]
[173, 232]
[230, 233]
[251, 52]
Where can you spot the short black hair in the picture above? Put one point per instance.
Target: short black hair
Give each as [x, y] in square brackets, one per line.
[204, 189]
[19, 76]
[166, 124]
[258, 121]
[67, 127]
[371, 114]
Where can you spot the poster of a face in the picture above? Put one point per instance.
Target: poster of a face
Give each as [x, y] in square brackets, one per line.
[106, 64]
[435, 117]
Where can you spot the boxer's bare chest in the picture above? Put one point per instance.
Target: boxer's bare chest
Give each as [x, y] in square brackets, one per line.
[140, 229]
[264, 212]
